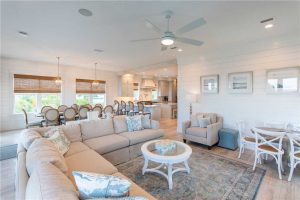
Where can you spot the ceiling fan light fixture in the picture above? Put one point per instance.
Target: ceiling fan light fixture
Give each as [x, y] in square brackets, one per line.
[167, 41]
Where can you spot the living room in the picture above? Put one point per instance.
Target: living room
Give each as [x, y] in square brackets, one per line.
[201, 77]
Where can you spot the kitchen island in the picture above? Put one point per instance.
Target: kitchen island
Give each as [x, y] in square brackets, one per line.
[155, 111]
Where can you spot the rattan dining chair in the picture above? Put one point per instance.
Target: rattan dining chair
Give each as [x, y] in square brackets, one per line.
[141, 109]
[69, 115]
[52, 117]
[116, 107]
[294, 139]
[269, 143]
[99, 104]
[99, 110]
[76, 107]
[244, 138]
[62, 108]
[83, 112]
[45, 108]
[123, 108]
[130, 108]
[32, 123]
[89, 106]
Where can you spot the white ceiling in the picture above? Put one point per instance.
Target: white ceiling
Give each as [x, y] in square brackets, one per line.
[57, 29]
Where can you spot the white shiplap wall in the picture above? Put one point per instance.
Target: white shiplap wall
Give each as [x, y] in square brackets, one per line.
[10, 121]
[254, 108]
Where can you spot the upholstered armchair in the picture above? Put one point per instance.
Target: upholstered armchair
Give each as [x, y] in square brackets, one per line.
[207, 136]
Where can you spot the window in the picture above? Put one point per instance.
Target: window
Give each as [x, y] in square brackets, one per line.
[87, 93]
[33, 92]
[154, 94]
[136, 92]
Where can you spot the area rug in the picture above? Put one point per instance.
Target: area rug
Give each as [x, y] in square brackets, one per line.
[8, 152]
[212, 177]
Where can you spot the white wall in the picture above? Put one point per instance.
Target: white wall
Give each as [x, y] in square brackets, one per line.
[10, 121]
[256, 56]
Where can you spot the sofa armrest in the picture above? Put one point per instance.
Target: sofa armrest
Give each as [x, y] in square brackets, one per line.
[154, 124]
[185, 125]
[213, 133]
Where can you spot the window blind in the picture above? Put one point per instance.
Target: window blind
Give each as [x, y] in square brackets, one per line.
[135, 86]
[35, 84]
[85, 86]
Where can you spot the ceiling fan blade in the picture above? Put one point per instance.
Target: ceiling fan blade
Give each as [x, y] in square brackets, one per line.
[153, 27]
[189, 41]
[147, 39]
[163, 47]
[191, 26]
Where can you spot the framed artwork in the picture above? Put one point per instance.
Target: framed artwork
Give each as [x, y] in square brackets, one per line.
[209, 84]
[282, 81]
[240, 82]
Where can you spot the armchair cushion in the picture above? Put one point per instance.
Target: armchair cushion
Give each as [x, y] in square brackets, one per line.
[212, 116]
[204, 122]
[197, 131]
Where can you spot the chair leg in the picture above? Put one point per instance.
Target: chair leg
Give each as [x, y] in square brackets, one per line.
[209, 147]
[292, 169]
[241, 148]
[279, 167]
[255, 161]
[184, 140]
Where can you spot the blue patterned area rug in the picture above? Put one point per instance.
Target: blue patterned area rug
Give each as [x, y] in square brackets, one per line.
[8, 152]
[212, 177]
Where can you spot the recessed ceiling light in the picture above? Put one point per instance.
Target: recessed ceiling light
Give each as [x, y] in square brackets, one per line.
[98, 50]
[22, 33]
[180, 50]
[85, 12]
[268, 26]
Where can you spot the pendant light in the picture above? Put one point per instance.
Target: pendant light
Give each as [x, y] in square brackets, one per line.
[95, 83]
[58, 80]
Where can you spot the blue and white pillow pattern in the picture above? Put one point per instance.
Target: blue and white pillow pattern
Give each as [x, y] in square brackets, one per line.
[92, 185]
[134, 123]
[122, 198]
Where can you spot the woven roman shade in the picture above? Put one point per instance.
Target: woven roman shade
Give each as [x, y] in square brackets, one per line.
[85, 86]
[35, 84]
[135, 86]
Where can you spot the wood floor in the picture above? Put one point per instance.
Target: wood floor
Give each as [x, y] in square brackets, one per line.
[271, 188]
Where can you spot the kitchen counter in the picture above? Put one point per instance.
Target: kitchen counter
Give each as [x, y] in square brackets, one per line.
[155, 111]
[167, 109]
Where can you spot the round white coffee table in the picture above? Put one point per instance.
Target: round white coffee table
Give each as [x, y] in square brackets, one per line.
[180, 154]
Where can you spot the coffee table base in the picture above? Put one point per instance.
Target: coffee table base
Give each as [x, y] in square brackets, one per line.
[171, 170]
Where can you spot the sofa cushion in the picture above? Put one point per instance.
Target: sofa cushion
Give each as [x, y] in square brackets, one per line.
[197, 131]
[107, 143]
[94, 185]
[42, 150]
[96, 128]
[76, 147]
[146, 121]
[135, 190]
[143, 135]
[72, 132]
[89, 161]
[120, 124]
[28, 136]
[48, 182]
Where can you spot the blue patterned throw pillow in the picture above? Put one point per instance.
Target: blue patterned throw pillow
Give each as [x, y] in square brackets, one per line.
[134, 123]
[92, 185]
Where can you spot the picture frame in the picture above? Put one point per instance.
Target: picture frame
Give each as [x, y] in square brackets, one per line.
[209, 84]
[283, 80]
[240, 82]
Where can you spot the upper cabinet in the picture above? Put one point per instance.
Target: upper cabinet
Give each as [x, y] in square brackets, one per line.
[163, 88]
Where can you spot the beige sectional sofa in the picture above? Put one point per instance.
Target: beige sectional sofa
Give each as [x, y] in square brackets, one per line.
[96, 146]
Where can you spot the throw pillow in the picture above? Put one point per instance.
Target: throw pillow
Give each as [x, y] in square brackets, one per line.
[60, 141]
[92, 185]
[42, 150]
[120, 124]
[50, 132]
[203, 122]
[194, 120]
[48, 182]
[72, 132]
[122, 198]
[146, 121]
[28, 136]
[134, 123]
[212, 116]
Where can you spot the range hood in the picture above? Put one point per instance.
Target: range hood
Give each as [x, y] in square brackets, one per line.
[148, 84]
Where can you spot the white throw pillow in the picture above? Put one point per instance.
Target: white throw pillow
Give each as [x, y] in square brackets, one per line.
[28, 136]
[146, 121]
[60, 141]
[134, 123]
[203, 122]
[194, 120]
[92, 185]
[50, 132]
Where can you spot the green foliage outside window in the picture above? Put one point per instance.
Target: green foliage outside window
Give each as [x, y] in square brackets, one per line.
[52, 100]
[25, 101]
[82, 99]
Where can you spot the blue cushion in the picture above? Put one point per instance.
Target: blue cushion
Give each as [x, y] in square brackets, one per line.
[92, 185]
[134, 123]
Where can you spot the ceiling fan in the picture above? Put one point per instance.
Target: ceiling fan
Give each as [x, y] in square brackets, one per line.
[168, 37]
